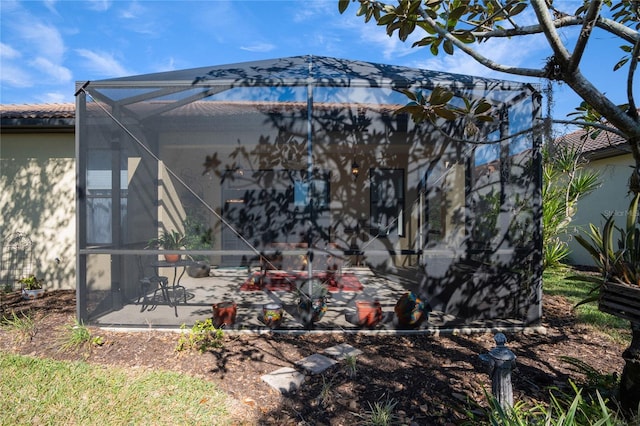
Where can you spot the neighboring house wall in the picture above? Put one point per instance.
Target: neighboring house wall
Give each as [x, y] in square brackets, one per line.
[611, 197]
[37, 198]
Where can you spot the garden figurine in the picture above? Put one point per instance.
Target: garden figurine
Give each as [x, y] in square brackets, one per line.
[501, 361]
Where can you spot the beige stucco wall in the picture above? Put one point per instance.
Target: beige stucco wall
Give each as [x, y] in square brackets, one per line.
[610, 198]
[37, 197]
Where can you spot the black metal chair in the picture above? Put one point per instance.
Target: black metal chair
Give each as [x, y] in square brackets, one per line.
[150, 280]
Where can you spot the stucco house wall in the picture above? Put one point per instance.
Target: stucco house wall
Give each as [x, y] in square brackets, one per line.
[609, 155]
[37, 189]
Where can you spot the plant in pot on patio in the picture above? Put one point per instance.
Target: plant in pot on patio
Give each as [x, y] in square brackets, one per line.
[169, 240]
[31, 287]
[312, 301]
[198, 236]
[617, 290]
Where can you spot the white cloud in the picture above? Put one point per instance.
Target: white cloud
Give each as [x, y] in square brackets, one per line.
[42, 40]
[314, 10]
[99, 5]
[102, 63]
[165, 64]
[8, 52]
[356, 32]
[16, 76]
[140, 19]
[391, 47]
[259, 47]
[57, 72]
[134, 11]
[51, 6]
[56, 97]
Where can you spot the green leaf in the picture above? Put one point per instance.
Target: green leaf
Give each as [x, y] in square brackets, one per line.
[620, 64]
[445, 113]
[448, 47]
[342, 5]
[465, 36]
[413, 7]
[482, 108]
[409, 94]
[440, 96]
[457, 13]
[428, 28]
[386, 19]
[632, 214]
[485, 118]
[517, 9]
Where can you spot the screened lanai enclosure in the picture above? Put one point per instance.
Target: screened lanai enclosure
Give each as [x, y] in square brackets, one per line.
[282, 175]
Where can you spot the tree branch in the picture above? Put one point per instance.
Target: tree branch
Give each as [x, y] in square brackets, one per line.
[605, 24]
[618, 118]
[583, 38]
[633, 65]
[529, 72]
[618, 29]
[591, 124]
[548, 28]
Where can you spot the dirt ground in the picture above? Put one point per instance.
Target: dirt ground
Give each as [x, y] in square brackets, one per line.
[432, 379]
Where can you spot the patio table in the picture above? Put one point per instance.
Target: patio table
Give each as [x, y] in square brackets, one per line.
[175, 283]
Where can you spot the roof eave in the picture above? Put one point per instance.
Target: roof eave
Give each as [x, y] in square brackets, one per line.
[608, 152]
[40, 125]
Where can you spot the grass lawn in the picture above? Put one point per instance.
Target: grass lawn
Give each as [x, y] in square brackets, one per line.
[556, 282]
[42, 391]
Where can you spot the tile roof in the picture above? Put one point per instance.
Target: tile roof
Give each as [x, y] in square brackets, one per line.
[37, 117]
[15, 111]
[606, 144]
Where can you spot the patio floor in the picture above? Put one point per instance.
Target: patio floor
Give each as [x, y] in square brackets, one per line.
[225, 284]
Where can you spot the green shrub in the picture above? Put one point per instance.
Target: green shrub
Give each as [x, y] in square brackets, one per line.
[78, 336]
[23, 325]
[381, 413]
[202, 336]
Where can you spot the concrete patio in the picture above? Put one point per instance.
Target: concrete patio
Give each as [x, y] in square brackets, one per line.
[223, 284]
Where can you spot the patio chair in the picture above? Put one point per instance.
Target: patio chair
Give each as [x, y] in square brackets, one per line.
[149, 279]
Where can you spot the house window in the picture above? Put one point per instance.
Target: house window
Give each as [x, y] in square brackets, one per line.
[99, 198]
[387, 201]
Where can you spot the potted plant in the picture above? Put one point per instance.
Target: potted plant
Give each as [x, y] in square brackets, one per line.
[369, 312]
[31, 287]
[224, 313]
[272, 314]
[312, 301]
[198, 236]
[169, 240]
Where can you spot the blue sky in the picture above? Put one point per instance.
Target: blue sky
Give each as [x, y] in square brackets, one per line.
[46, 46]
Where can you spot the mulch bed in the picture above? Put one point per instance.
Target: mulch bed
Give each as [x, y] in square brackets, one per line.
[433, 380]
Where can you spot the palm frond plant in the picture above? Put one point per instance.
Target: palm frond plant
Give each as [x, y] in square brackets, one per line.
[565, 182]
[619, 262]
[169, 240]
